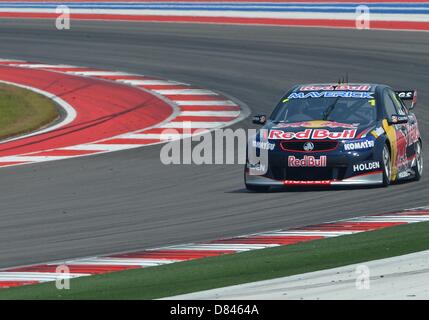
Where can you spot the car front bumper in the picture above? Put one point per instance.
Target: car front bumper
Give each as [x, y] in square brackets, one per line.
[373, 178]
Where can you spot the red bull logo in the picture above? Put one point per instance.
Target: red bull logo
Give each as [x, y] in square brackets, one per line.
[307, 161]
[346, 87]
[316, 134]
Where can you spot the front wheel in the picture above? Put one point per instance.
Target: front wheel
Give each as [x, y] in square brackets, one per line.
[418, 168]
[386, 166]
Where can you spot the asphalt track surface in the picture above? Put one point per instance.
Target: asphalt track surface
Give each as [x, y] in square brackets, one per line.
[129, 200]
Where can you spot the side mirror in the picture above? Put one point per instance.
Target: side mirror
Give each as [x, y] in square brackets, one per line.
[259, 119]
[398, 119]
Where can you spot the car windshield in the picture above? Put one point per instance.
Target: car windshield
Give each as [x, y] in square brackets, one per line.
[339, 109]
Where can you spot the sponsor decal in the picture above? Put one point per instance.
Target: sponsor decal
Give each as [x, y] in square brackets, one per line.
[316, 134]
[337, 87]
[366, 166]
[309, 182]
[401, 147]
[318, 124]
[406, 95]
[334, 135]
[404, 174]
[307, 161]
[413, 134]
[378, 132]
[353, 88]
[359, 145]
[257, 167]
[331, 94]
[286, 135]
[264, 145]
[399, 118]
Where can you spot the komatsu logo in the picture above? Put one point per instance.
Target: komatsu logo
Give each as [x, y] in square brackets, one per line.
[359, 145]
[316, 134]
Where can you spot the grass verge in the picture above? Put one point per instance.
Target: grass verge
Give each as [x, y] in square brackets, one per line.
[23, 111]
[215, 272]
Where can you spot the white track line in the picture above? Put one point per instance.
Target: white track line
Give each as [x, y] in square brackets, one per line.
[120, 262]
[189, 92]
[149, 82]
[221, 246]
[232, 14]
[156, 136]
[210, 113]
[205, 103]
[304, 233]
[403, 219]
[100, 73]
[101, 147]
[194, 125]
[30, 158]
[11, 60]
[38, 276]
[422, 217]
[43, 66]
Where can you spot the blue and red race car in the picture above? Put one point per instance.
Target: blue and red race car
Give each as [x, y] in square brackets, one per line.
[337, 134]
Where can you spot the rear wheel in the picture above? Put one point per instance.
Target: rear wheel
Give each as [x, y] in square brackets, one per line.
[418, 168]
[386, 165]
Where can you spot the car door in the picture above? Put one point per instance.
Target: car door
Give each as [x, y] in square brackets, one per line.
[400, 139]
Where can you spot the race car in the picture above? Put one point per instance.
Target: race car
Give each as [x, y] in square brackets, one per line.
[336, 134]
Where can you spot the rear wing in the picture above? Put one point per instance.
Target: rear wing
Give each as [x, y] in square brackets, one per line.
[408, 95]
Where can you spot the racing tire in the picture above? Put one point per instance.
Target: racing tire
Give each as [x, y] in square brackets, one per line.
[386, 165]
[418, 168]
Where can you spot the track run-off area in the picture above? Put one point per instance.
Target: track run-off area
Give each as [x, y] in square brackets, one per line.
[129, 200]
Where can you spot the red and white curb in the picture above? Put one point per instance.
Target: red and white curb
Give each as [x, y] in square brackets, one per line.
[201, 109]
[33, 274]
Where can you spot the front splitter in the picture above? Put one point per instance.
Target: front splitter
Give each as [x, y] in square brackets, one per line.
[372, 178]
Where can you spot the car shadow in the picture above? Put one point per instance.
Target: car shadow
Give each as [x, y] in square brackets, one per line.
[285, 189]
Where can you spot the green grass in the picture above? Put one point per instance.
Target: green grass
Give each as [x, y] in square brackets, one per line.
[23, 111]
[214, 272]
